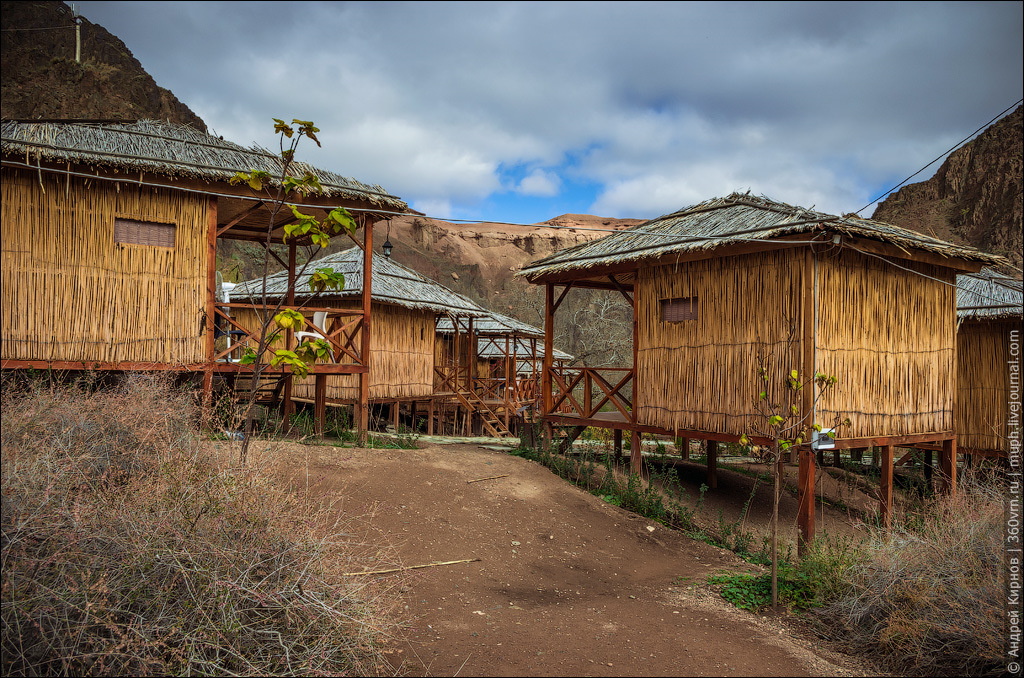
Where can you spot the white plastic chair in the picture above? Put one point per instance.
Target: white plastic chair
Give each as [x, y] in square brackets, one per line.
[318, 331]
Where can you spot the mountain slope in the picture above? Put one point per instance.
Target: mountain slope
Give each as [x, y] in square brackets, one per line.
[41, 79]
[975, 198]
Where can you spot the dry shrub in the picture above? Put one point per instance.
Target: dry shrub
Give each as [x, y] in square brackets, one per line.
[126, 551]
[928, 596]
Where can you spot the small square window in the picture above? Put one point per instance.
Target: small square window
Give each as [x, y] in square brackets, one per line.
[678, 310]
[135, 232]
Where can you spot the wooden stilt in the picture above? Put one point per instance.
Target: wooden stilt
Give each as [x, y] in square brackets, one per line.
[836, 458]
[885, 485]
[320, 403]
[364, 345]
[947, 466]
[928, 466]
[712, 477]
[805, 498]
[636, 459]
[430, 417]
[286, 406]
[211, 298]
[617, 443]
[685, 451]
[394, 415]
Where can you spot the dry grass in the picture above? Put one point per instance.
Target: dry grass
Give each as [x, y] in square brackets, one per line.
[928, 596]
[127, 551]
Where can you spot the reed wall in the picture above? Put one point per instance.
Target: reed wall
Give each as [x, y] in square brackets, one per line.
[702, 374]
[401, 356]
[887, 335]
[983, 384]
[70, 292]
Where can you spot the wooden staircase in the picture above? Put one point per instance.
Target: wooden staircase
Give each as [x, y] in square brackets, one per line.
[268, 393]
[491, 422]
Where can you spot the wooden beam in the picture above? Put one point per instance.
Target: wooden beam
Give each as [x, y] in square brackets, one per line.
[885, 486]
[561, 296]
[894, 252]
[228, 226]
[621, 289]
[684, 452]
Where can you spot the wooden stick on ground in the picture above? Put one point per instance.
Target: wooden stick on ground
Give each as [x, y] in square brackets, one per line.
[411, 567]
[504, 475]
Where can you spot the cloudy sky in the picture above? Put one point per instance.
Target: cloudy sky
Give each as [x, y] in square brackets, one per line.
[520, 112]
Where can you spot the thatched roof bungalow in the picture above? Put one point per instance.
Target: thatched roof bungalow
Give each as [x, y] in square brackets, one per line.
[989, 310]
[406, 306]
[725, 288]
[110, 234]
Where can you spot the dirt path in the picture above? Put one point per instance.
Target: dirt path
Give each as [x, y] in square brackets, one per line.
[566, 583]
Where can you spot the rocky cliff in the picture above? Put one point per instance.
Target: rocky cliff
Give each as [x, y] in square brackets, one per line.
[975, 198]
[41, 78]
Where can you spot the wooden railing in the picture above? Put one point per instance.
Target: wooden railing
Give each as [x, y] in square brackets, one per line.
[588, 391]
[343, 328]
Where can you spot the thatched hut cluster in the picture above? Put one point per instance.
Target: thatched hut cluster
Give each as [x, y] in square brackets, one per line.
[736, 285]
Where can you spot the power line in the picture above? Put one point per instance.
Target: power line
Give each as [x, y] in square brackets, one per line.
[52, 28]
[958, 145]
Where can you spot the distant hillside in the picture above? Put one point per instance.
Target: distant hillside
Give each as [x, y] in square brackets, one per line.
[976, 196]
[41, 79]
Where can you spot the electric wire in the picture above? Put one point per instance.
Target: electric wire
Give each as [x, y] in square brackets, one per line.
[958, 145]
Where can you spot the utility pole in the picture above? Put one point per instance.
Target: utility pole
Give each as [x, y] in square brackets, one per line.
[78, 34]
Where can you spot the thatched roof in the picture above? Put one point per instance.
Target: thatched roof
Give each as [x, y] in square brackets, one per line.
[166, 149]
[988, 295]
[392, 284]
[736, 219]
[494, 324]
[486, 348]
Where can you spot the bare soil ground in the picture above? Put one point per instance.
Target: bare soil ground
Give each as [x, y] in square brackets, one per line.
[566, 584]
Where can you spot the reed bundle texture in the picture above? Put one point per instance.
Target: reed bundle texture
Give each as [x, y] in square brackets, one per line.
[983, 384]
[702, 374]
[888, 336]
[70, 292]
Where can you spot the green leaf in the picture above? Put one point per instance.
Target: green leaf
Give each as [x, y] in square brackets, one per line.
[290, 319]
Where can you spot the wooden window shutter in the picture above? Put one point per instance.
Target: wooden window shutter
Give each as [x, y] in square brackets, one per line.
[678, 310]
[135, 232]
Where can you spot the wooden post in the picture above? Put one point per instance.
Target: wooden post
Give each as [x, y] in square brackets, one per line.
[394, 415]
[211, 297]
[636, 461]
[320, 404]
[286, 406]
[805, 497]
[807, 345]
[857, 455]
[947, 466]
[617, 443]
[885, 485]
[430, 417]
[836, 459]
[685, 452]
[547, 402]
[712, 479]
[928, 466]
[365, 347]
